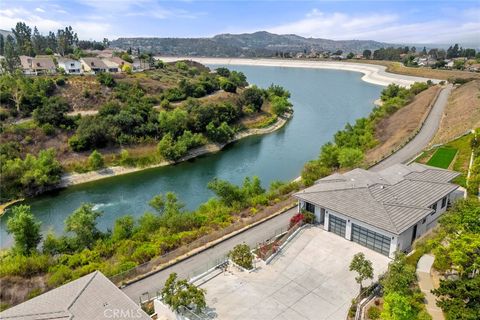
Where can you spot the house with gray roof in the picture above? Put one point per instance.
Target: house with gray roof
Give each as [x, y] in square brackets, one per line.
[385, 210]
[93, 65]
[91, 297]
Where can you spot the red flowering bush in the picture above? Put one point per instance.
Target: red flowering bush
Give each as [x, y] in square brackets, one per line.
[296, 219]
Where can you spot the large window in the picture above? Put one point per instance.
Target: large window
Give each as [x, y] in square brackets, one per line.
[444, 202]
[371, 239]
[337, 225]
[310, 207]
[434, 207]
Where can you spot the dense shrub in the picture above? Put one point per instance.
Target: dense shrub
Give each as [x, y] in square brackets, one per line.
[95, 160]
[28, 176]
[242, 256]
[223, 133]
[106, 79]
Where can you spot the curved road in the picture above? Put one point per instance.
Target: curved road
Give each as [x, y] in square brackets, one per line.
[424, 136]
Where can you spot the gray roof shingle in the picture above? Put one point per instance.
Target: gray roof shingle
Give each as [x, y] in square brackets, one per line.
[90, 297]
[392, 199]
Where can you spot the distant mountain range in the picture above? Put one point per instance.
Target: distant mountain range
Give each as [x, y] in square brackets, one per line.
[258, 44]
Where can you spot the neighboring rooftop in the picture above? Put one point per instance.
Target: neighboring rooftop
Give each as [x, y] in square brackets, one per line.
[39, 63]
[391, 199]
[89, 298]
[94, 63]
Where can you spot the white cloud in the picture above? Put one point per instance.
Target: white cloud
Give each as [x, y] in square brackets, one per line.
[383, 27]
[10, 17]
[39, 10]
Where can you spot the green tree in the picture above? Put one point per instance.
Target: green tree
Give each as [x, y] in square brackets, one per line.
[228, 193]
[23, 39]
[123, 228]
[329, 155]
[241, 255]
[367, 54]
[397, 307]
[83, 223]
[12, 60]
[350, 55]
[223, 133]
[95, 160]
[252, 96]
[51, 112]
[350, 157]
[363, 268]
[25, 229]
[280, 105]
[400, 276]
[459, 298]
[173, 122]
[179, 294]
[314, 170]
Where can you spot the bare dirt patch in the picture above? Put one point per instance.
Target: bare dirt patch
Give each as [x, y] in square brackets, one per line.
[18, 289]
[462, 112]
[84, 92]
[393, 131]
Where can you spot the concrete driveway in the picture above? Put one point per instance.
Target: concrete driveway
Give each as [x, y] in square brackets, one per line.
[309, 279]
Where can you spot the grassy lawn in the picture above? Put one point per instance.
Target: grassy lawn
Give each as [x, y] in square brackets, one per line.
[463, 151]
[442, 157]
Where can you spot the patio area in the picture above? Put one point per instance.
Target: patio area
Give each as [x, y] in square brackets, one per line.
[309, 279]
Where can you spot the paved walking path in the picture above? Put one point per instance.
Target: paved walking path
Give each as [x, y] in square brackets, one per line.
[423, 137]
[425, 282]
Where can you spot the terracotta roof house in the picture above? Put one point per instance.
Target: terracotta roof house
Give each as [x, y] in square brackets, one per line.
[93, 65]
[385, 210]
[91, 297]
[37, 65]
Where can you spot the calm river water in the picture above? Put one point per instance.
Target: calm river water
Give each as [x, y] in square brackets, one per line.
[324, 101]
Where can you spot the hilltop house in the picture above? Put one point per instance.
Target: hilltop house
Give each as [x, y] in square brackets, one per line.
[93, 65]
[384, 211]
[37, 65]
[91, 297]
[70, 66]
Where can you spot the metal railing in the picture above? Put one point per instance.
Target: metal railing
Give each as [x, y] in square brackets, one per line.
[158, 263]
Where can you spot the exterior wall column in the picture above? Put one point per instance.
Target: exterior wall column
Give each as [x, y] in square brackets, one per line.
[327, 218]
[348, 230]
[393, 247]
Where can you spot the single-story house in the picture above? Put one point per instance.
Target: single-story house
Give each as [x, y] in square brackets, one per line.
[70, 66]
[112, 66]
[93, 65]
[37, 65]
[120, 62]
[385, 210]
[91, 297]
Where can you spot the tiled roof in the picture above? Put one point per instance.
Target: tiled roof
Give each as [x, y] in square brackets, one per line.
[91, 297]
[392, 199]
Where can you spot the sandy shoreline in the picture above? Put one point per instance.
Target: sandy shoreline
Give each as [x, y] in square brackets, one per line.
[372, 73]
[79, 178]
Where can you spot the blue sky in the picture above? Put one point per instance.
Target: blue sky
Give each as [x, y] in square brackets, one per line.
[418, 21]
